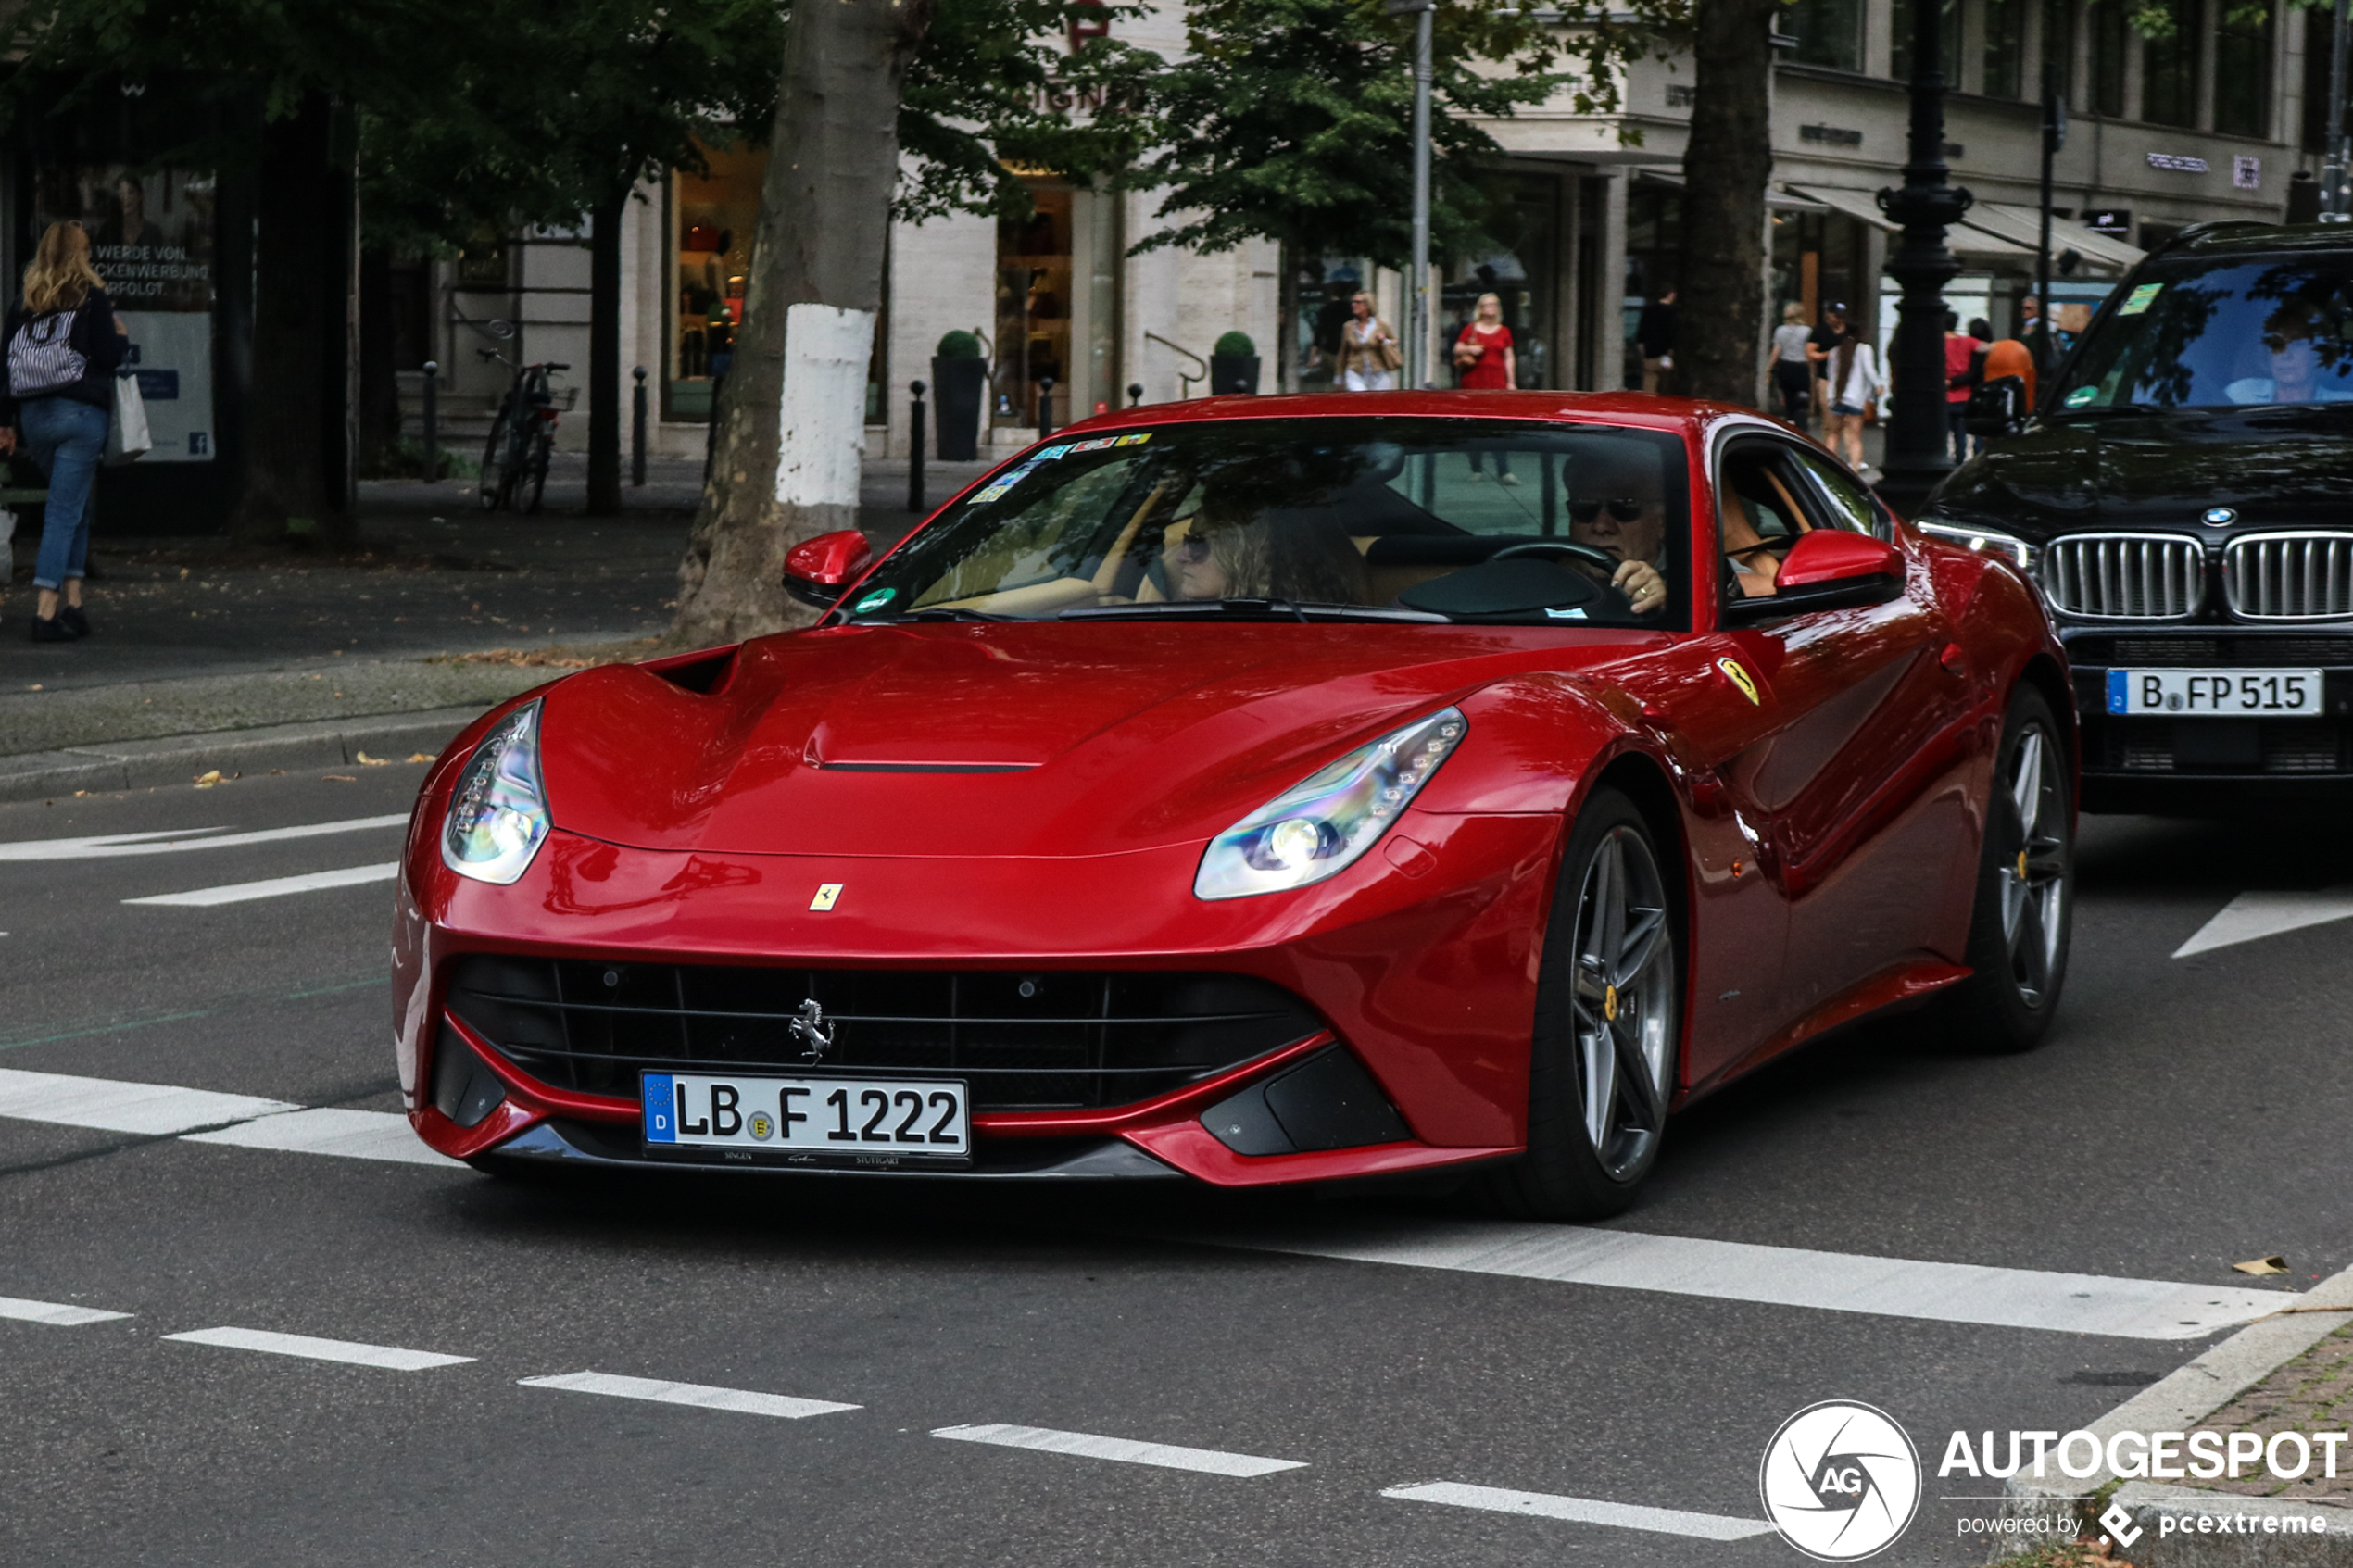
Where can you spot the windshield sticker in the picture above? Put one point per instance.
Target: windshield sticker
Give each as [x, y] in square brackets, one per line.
[2081, 396]
[2140, 299]
[1565, 614]
[1137, 440]
[876, 599]
[1048, 456]
[991, 493]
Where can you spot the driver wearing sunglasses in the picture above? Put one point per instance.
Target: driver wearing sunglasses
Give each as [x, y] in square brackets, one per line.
[1619, 508]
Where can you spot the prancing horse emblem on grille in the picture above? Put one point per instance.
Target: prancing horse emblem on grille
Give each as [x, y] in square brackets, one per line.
[811, 1029]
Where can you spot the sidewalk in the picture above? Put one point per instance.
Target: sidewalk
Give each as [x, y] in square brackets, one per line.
[206, 656]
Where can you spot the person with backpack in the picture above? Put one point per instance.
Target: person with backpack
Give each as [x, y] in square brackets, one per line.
[65, 341]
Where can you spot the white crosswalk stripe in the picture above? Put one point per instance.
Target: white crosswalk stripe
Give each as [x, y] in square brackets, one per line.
[1583, 1511]
[174, 841]
[392, 1358]
[2252, 916]
[117, 1107]
[1732, 1271]
[351, 1134]
[701, 1395]
[1085, 1445]
[53, 1312]
[271, 888]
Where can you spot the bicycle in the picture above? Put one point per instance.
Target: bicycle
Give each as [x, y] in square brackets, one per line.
[522, 437]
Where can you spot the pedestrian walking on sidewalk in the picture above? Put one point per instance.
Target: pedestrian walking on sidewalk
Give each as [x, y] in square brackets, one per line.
[1856, 387]
[1793, 373]
[64, 341]
[1487, 360]
[1368, 355]
[1655, 340]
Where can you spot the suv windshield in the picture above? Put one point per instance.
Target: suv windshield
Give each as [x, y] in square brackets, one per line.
[1402, 520]
[2222, 335]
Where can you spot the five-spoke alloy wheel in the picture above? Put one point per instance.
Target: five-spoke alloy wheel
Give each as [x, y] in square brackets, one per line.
[2026, 884]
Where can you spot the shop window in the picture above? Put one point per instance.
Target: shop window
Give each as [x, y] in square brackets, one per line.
[1829, 32]
[1033, 309]
[1901, 60]
[1653, 250]
[1326, 284]
[2168, 67]
[2108, 42]
[1521, 271]
[2244, 59]
[712, 218]
[2005, 48]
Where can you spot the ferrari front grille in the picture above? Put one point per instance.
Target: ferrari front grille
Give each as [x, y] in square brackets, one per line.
[2125, 576]
[2290, 576]
[1027, 1040]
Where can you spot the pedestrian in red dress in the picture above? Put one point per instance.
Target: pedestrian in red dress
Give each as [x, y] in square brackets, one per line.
[1484, 360]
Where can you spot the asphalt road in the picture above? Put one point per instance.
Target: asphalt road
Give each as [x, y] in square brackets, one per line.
[2188, 1113]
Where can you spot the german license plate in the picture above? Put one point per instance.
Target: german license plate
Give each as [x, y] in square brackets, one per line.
[2231, 693]
[808, 1120]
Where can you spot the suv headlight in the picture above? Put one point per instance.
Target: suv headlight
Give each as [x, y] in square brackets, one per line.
[497, 814]
[1320, 825]
[1984, 541]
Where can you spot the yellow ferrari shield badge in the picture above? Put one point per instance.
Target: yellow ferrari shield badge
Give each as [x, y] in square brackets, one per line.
[826, 894]
[1740, 678]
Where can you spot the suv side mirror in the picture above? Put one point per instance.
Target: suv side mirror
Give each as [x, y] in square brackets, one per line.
[1828, 569]
[1998, 408]
[816, 571]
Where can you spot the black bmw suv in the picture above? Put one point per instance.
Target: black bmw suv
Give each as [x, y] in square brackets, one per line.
[2184, 493]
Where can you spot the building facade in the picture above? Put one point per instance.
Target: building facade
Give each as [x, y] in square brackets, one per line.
[2217, 120]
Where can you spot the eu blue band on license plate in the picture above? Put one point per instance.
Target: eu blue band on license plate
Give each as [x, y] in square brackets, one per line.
[2118, 691]
[662, 1108]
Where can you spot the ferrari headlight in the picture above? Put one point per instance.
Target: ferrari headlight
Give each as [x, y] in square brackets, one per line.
[1321, 824]
[1984, 541]
[498, 813]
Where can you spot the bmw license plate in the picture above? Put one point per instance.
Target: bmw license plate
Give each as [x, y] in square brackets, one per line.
[864, 1122]
[2227, 693]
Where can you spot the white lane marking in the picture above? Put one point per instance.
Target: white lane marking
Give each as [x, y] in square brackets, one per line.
[696, 1394]
[1210, 1462]
[390, 1357]
[1731, 1271]
[173, 841]
[53, 1312]
[274, 887]
[2252, 916]
[352, 1134]
[1585, 1511]
[123, 1107]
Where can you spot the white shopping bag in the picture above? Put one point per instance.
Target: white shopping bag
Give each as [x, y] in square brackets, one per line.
[127, 436]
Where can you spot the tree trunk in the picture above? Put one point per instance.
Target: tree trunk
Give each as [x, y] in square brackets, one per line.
[379, 386]
[793, 412]
[604, 357]
[297, 438]
[1726, 163]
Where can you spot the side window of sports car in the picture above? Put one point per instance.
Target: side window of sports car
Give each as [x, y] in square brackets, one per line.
[1843, 501]
[1758, 515]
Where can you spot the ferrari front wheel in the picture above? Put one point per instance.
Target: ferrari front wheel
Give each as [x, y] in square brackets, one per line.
[2025, 886]
[1600, 1068]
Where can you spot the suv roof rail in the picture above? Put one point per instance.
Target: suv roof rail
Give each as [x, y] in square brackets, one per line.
[2208, 229]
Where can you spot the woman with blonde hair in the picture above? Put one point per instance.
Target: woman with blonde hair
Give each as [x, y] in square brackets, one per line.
[1368, 355]
[64, 344]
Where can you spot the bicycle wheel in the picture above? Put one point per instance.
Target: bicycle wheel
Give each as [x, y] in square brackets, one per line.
[534, 478]
[497, 467]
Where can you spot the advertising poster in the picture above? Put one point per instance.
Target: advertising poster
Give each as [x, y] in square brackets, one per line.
[151, 239]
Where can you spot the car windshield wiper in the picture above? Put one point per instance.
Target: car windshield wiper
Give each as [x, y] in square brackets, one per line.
[1249, 609]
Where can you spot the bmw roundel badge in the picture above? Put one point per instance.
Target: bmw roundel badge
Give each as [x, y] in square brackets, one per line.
[2219, 517]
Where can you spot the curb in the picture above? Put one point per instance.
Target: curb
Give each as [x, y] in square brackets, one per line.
[330, 743]
[2177, 1402]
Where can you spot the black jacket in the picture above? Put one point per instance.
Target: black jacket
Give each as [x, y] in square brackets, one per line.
[1655, 333]
[93, 336]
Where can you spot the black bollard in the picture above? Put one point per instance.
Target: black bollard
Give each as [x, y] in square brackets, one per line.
[1045, 406]
[637, 431]
[1135, 394]
[433, 421]
[915, 452]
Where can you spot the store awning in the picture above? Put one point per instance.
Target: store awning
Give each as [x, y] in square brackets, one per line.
[1861, 206]
[2023, 226]
[1776, 201]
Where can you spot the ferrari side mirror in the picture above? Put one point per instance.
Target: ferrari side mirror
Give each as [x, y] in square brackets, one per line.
[1828, 569]
[1997, 408]
[816, 571]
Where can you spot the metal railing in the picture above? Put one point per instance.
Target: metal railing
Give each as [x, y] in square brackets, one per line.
[2125, 576]
[2300, 576]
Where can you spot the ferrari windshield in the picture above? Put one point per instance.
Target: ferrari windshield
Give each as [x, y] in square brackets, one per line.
[2221, 335]
[1388, 519]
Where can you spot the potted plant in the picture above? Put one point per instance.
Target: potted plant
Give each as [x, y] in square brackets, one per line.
[959, 380]
[1233, 364]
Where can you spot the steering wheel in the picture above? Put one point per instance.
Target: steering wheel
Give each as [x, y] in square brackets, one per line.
[1607, 564]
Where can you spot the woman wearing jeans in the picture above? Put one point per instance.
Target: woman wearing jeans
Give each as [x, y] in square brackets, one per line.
[64, 341]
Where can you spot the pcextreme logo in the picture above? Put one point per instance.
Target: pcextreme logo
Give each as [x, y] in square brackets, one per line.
[1840, 1480]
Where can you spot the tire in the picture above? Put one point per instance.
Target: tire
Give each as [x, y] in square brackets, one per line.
[2024, 910]
[1603, 1058]
[534, 479]
[498, 469]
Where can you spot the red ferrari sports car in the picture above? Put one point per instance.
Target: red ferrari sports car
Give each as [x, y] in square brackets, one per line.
[1259, 790]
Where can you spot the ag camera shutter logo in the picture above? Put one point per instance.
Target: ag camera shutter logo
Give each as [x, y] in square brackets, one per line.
[1840, 1480]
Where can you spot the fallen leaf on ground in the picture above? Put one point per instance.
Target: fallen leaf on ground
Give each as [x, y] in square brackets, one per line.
[2274, 1264]
[420, 756]
[337, 778]
[369, 761]
[207, 780]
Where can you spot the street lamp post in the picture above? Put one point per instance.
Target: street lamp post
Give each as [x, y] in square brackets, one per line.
[1917, 436]
[2336, 199]
[1417, 282]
